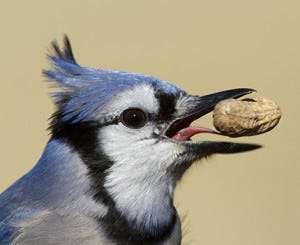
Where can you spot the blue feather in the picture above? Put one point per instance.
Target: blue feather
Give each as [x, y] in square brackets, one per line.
[6, 233]
[83, 91]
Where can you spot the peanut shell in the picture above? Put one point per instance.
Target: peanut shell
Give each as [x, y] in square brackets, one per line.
[252, 116]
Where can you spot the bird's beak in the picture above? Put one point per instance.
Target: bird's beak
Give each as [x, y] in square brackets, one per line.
[195, 107]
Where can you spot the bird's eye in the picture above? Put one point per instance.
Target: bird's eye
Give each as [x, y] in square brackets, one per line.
[134, 118]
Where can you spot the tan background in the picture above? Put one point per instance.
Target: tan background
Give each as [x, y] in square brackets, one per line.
[202, 46]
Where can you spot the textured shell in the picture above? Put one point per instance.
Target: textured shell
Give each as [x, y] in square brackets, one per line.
[253, 116]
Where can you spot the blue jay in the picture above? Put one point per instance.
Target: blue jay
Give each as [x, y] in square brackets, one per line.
[119, 143]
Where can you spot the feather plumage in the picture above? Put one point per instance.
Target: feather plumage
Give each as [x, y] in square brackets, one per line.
[99, 180]
[84, 91]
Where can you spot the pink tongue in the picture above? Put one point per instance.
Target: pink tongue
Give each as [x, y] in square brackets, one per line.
[187, 133]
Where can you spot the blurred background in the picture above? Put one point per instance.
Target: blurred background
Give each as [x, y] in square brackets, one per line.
[201, 46]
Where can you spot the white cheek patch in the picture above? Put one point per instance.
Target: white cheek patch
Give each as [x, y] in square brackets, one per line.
[138, 180]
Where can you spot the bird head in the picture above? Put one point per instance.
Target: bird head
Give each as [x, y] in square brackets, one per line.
[133, 132]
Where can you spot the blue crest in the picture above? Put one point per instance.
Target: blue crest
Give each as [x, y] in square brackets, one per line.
[84, 90]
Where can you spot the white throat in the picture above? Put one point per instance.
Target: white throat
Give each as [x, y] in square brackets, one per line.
[138, 181]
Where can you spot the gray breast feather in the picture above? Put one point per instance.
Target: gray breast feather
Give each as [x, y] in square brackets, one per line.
[50, 227]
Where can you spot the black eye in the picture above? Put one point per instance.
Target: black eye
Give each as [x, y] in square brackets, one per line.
[134, 118]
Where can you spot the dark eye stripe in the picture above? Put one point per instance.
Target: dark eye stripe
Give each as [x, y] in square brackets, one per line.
[167, 103]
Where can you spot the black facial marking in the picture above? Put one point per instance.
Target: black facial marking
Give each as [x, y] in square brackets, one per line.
[83, 137]
[167, 104]
[118, 229]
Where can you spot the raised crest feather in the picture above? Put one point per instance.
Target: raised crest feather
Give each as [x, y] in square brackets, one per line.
[83, 92]
[65, 70]
[65, 54]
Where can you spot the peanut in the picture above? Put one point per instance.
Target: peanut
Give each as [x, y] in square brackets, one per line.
[250, 116]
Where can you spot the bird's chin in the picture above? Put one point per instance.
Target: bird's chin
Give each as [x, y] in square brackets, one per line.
[192, 151]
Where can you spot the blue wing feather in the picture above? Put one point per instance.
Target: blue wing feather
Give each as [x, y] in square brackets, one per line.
[6, 234]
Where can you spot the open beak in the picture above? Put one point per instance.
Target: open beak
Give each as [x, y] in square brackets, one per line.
[195, 107]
